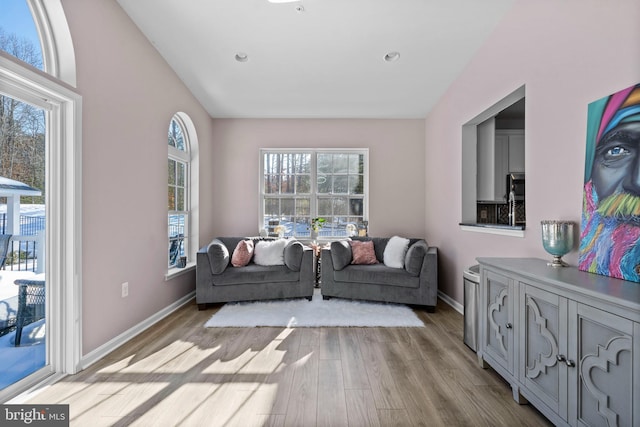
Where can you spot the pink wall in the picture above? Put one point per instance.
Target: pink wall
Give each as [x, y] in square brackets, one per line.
[129, 96]
[568, 54]
[396, 163]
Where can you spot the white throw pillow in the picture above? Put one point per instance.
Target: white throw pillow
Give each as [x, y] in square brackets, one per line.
[269, 252]
[395, 252]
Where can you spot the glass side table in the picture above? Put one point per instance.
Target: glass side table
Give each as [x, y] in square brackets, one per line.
[317, 248]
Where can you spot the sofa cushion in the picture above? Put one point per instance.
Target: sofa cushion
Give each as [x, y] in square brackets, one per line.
[256, 274]
[269, 253]
[395, 252]
[363, 253]
[242, 253]
[218, 256]
[340, 254]
[293, 255]
[415, 257]
[377, 274]
[379, 244]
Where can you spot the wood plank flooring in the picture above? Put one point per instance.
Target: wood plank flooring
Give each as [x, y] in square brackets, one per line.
[179, 373]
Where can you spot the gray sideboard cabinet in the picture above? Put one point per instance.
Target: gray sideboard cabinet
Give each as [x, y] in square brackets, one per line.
[567, 341]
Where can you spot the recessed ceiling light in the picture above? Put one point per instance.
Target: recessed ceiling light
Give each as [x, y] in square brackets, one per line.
[392, 56]
[242, 57]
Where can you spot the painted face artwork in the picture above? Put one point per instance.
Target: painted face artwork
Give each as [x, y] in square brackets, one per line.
[610, 229]
[615, 168]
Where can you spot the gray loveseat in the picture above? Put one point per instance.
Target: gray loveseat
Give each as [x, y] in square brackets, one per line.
[416, 283]
[217, 280]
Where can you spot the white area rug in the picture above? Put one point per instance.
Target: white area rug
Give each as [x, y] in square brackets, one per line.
[315, 313]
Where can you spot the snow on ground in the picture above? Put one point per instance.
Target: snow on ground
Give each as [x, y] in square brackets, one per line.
[9, 294]
[8, 288]
[27, 210]
[18, 362]
[7, 277]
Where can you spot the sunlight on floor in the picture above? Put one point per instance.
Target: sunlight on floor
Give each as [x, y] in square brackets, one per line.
[207, 373]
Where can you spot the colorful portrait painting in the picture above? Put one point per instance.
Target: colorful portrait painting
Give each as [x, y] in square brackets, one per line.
[610, 228]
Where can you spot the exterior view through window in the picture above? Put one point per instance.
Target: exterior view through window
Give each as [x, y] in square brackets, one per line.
[178, 194]
[18, 34]
[23, 296]
[305, 187]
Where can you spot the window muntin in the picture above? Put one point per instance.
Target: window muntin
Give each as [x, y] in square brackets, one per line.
[178, 193]
[176, 136]
[287, 173]
[298, 185]
[340, 189]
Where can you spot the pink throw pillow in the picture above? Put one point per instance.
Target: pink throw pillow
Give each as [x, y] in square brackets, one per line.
[242, 253]
[363, 252]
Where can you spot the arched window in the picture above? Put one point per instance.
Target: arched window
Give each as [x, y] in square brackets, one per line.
[18, 33]
[38, 34]
[182, 175]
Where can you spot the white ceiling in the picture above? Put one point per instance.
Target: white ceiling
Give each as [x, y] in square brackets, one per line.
[323, 62]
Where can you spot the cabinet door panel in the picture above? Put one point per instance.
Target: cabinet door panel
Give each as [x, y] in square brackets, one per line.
[604, 350]
[501, 167]
[486, 161]
[543, 338]
[498, 311]
[516, 153]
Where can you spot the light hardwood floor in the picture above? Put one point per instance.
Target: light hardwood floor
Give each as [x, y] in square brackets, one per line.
[180, 373]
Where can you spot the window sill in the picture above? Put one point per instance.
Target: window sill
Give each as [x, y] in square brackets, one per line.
[501, 230]
[175, 272]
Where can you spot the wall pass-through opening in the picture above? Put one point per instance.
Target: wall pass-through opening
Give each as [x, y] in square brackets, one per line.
[493, 166]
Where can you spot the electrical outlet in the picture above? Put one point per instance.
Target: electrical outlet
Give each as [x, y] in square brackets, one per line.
[125, 289]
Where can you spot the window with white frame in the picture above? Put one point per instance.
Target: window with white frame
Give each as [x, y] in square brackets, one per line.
[298, 186]
[49, 49]
[178, 194]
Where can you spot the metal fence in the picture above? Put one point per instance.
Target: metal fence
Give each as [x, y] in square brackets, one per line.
[29, 225]
[23, 251]
[176, 237]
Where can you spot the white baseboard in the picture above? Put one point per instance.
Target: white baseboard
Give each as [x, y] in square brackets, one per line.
[453, 303]
[100, 352]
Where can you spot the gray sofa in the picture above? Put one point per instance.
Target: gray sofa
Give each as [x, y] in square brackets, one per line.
[416, 283]
[217, 280]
